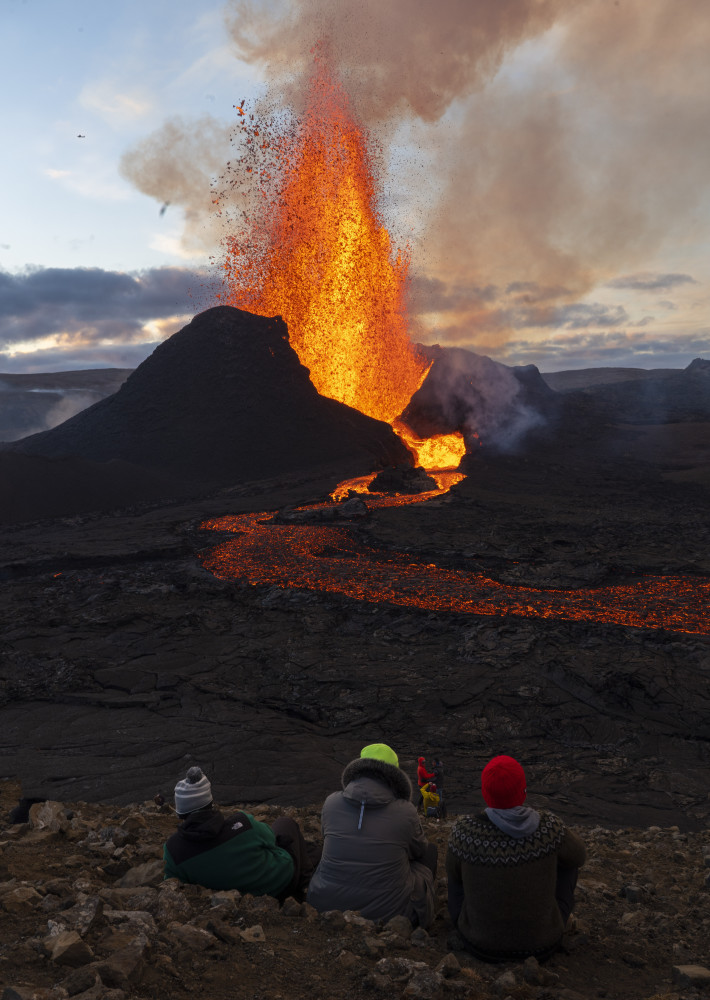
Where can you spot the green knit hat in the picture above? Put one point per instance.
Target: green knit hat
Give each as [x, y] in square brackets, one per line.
[380, 751]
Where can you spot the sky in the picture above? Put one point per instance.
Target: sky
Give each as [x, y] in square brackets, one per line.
[545, 162]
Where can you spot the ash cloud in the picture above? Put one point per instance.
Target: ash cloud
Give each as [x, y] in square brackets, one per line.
[178, 165]
[566, 140]
[403, 57]
[592, 163]
[596, 164]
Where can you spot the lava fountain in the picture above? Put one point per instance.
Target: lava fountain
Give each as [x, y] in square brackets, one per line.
[318, 254]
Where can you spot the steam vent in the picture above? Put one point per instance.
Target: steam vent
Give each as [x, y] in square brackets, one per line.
[226, 397]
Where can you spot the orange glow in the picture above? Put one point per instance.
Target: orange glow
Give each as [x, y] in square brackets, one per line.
[327, 558]
[320, 256]
[442, 451]
[444, 481]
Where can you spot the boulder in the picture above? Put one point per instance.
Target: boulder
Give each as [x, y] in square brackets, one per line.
[691, 976]
[68, 948]
[48, 816]
[149, 873]
[125, 966]
[21, 900]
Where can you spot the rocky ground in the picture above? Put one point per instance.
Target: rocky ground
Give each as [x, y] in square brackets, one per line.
[84, 913]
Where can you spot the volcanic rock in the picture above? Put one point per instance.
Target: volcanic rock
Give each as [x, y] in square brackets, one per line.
[345, 510]
[691, 975]
[32, 486]
[479, 397]
[224, 399]
[68, 948]
[402, 479]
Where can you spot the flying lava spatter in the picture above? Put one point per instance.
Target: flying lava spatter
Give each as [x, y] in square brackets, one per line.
[317, 253]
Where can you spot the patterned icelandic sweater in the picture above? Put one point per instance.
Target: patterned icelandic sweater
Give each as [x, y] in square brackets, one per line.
[508, 884]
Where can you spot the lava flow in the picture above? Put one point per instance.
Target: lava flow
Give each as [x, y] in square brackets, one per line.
[326, 558]
[318, 254]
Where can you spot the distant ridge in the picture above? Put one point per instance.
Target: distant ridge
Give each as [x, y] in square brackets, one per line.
[584, 378]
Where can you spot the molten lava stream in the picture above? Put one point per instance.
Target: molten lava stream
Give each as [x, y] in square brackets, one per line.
[326, 558]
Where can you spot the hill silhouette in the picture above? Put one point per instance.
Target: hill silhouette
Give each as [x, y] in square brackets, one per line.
[223, 400]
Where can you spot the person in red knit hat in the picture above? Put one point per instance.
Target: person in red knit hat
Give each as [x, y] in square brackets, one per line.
[512, 871]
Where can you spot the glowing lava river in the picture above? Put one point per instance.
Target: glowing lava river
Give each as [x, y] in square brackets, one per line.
[326, 558]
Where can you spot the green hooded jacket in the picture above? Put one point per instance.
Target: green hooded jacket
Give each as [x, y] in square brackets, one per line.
[238, 852]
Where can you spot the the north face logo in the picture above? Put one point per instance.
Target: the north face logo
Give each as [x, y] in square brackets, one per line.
[238, 825]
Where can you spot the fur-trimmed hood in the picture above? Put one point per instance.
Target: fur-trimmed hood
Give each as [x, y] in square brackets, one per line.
[388, 775]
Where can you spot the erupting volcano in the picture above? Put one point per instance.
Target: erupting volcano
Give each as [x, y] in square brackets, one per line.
[318, 254]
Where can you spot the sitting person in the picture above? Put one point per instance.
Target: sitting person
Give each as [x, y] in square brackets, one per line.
[375, 856]
[431, 798]
[512, 872]
[422, 777]
[237, 852]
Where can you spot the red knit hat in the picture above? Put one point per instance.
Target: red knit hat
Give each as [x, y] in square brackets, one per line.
[503, 783]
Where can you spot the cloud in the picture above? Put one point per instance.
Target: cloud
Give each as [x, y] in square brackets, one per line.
[172, 244]
[56, 174]
[649, 282]
[61, 311]
[579, 316]
[521, 306]
[593, 349]
[115, 106]
[116, 356]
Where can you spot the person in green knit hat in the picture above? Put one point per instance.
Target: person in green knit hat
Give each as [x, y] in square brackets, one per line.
[375, 858]
[235, 852]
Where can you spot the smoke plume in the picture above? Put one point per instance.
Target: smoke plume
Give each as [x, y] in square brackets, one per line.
[562, 140]
[403, 57]
[177, 165]
[472, 394]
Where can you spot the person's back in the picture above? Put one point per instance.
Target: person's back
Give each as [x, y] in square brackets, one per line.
[512, 872]
[375, 856]
[237, 852]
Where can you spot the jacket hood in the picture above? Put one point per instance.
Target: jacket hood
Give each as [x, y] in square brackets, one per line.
[385, 774]
[202, 825]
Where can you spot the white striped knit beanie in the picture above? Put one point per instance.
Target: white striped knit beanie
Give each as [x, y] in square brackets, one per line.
[195, 792]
